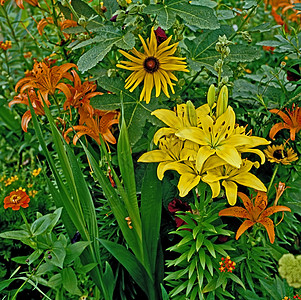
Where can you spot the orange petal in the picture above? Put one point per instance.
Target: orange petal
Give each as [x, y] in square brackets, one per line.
[246, 200]
[284, 116]
[269, 226]
[261, 200]
[25, 120]
[273, 209]
[235, 211]
[277, 127]
[243, 227]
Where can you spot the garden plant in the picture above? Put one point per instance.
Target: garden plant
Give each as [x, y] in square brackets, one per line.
[150, 149]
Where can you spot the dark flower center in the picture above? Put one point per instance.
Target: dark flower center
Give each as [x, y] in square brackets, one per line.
[151, 64]
[280, 154]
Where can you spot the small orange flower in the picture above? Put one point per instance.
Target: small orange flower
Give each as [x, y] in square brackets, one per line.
[292, 121]
[16, 199]
[5, 45]
[227, 264]
[46, 80]
[256, 213]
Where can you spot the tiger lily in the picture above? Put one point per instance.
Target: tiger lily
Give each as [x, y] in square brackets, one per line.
[292, 121]
[257, 213]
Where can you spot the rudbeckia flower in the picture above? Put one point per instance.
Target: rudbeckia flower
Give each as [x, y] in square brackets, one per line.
[154, 67]
[291, 121]
[230, 176]
[257, 213]
[277, 154]
[46, 80]
[16, 199]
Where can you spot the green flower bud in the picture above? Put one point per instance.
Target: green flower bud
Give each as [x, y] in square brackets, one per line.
[191, 113]
[222, 101]
[211, 96]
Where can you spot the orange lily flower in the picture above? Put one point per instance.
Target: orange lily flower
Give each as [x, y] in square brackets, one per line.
[256, 213]
[63, 25]
[292, 121]
[36, 103]
[46, 80]
[81, 93]
[99, 124]
[20, 3]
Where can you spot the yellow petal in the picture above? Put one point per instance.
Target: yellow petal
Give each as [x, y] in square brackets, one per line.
[203, 154]
[229, 154]
[168, 117]
[187, 182]
[231, 191]
[215, 188]
[161, 132]
[155, 156]
[250, 180]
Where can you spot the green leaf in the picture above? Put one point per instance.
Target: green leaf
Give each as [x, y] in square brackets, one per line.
[106, 38]
[129, 261]
[15, 235]
[75, 250]
[5, 283]
[55, 281]
[243, 53]
[108, 278]
[46, 223]
[136, 113]
[69, 281]
[202, 257]
[87, 268]
[200, 16]
[236, 279]
[210, 247]
[151, 206]
[57, 254]
[210, 286]
[34, 256]
[199, 241]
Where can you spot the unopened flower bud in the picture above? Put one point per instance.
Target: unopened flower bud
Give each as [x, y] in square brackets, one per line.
[191, 113]
[211, 96]
[82, 21]
[222, 101]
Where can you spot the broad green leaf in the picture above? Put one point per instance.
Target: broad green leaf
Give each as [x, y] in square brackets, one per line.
[5, 283]
[34, 256]
[69, 281]
[15, 235]
[151, 206]
[55, 281]
[129, 261]
[108, 278]
[75, 250]
[57, 254]
[201, 16]
[243, 53]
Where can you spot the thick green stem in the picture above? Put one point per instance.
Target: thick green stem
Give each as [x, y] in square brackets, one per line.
[191, 81]
[273, 177]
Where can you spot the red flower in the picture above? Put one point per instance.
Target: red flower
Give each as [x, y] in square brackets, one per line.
[177, 205]
[16, 199]
[160, 35]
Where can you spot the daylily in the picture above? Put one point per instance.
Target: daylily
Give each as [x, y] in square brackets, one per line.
[185, 115]
[257, 213]
[81, 93]
[292, 121]
[99, 124]
[220, 138]
[230, 176]
[46, 79]
[37, 105]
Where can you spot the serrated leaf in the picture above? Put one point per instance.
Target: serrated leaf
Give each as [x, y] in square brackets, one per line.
[243, 53]
[200, 16]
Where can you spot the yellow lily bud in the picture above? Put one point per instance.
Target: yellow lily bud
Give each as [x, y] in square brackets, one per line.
[191, 114]
[222, 101]
[211, 96]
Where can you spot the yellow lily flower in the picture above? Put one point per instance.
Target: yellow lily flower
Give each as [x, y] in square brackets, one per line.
[230, 176]
[184, 116]
[220, 137]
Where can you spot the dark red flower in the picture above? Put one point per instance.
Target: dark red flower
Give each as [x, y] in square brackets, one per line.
[293, 76]
[177, 205]
[160, 35]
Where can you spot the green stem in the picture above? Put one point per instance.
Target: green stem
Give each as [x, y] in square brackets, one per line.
[192, 81]
[244, 21]
[25, 221]
[2, 8]
[273, 177]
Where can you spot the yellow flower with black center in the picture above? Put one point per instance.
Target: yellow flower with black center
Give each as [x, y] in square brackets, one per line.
[278, 154]
[154, 67]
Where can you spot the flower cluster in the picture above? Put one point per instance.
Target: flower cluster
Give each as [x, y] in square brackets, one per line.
[290, 269]
[5, 45]
[44, 80]
[10, 180]
[227, 265]
[202, 146]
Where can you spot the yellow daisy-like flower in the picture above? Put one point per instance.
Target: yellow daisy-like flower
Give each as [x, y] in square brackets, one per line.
[36, 172]
[277, 154]
[154, 67]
